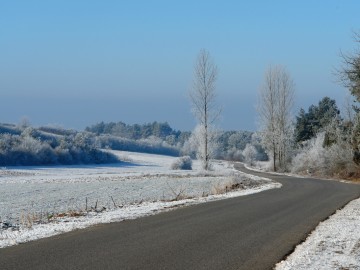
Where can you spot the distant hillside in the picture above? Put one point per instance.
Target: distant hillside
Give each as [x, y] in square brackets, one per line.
[160, 138]
[26, 145]
[159, 130]
[48, 146]
[9, 129]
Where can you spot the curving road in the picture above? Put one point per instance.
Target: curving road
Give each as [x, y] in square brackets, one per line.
[250, 232]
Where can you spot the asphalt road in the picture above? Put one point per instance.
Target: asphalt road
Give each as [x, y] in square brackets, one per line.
[249, 232]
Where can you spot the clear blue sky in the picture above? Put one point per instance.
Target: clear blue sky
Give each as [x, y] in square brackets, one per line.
[74, 63]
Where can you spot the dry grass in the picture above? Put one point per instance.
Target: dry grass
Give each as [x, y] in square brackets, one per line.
[225, 187]
[178, 194]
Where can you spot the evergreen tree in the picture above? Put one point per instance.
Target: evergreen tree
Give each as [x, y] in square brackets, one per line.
[316, 119]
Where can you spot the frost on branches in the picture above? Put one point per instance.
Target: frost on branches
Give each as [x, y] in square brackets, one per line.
[328, 154]
[205, 151]
[204, 105]
[274, 107]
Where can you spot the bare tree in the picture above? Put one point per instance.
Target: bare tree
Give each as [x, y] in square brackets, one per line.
[274, 107]
[348, 109]
[204, 106]
[349, 73]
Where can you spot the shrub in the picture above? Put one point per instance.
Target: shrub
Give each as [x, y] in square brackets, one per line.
[182, 163]
[250, 154]
[334, 160]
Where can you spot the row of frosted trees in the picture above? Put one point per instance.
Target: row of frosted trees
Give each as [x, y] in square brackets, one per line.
[276, 100]
[336, 144]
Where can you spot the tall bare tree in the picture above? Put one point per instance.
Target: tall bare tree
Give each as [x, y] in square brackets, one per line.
[203, 99]
[276, 100]
[349, 75]
[350, 71]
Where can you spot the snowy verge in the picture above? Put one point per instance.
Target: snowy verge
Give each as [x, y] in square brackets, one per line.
[263, 170]
[62, 225]
[262, 167]
[38, 202]
[334, 244]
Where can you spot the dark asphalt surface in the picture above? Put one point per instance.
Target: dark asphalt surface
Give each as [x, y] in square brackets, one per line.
[249, 232]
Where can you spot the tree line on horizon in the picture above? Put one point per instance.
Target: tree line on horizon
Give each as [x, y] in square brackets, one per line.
[28, 146]
[229, 144]
[23, 145]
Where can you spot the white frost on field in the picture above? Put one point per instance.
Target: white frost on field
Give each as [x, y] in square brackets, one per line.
[334, 244]
[142, 186]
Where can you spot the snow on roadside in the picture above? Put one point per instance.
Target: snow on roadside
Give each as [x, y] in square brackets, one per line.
[62, 225]
[261, 166]
[143, 186]
[334, 244]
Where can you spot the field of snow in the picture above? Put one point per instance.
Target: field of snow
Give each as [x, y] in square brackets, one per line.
[335, 243]
[38, 202]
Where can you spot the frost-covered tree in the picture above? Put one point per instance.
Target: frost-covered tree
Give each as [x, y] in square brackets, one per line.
[204, 106]
[24, 122]
[349, 75]
[350, 71]
[201, 137]
[348, 109]
[329, 153]
[276, 99]
[250, 154]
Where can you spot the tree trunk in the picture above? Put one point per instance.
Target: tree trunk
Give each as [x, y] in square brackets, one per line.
[274, 162]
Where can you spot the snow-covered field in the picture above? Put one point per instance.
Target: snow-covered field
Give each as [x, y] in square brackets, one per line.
[37, 202]
[335, 243]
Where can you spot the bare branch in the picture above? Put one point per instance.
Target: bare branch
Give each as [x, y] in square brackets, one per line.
[349, 72]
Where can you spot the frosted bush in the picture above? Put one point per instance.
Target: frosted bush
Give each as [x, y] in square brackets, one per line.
[341, 159]
[314, 158]
[182, 163]
[250, 154]
[206, 149]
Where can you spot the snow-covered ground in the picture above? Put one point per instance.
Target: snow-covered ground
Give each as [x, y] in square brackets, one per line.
[37, 202]
[334, 244]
